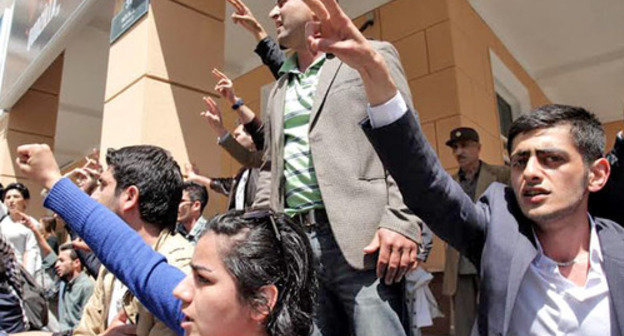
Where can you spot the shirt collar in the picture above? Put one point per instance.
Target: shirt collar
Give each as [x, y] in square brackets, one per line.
[291, 65]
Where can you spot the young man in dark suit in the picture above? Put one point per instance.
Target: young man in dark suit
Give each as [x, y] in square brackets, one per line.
[547, 266]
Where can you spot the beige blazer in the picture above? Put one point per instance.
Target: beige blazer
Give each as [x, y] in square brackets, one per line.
[178, 252]
[454, 263]
[358, 193]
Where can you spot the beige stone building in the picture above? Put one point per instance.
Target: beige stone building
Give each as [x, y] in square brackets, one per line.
[469, 63]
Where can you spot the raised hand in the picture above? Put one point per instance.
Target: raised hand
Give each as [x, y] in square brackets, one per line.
[192, 175]
[37, 162]
[244, 17]
[224, 86]
[213, 115]
[335, 33]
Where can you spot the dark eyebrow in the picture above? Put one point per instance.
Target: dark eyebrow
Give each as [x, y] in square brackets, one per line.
[201, 268]
[550, 151]
[521, 153]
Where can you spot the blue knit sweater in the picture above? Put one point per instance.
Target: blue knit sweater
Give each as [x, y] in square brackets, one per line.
[121, 250]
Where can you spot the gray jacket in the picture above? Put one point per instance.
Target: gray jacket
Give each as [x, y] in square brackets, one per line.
[358, 194]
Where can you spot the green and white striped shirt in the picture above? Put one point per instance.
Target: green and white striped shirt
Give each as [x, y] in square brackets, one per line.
[301, 187]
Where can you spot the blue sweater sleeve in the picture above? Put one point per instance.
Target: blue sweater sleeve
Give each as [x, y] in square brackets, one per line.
[121, 250]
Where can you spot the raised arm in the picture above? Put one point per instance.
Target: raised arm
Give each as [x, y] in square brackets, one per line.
[116, 245]
[427, 189]
[268, 50]
[241, 154]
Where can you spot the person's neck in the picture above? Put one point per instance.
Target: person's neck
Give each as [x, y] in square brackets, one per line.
[14, 216]
[305, 58]
[471, 169]
[566, 238]
[188, 225]
[149, 232]
[71, 276]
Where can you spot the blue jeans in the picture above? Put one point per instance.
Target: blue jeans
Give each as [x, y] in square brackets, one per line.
[351, 301]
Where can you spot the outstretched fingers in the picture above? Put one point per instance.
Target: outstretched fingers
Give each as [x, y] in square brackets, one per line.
[238, 6]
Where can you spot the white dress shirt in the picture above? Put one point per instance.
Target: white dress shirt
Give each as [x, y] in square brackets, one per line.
[549, 304]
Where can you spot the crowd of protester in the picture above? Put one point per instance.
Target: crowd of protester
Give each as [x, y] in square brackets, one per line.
[329, 217]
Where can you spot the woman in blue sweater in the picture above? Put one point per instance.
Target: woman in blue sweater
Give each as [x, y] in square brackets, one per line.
[252, 274]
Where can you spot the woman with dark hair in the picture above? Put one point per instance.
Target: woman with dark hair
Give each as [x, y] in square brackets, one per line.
[252, 273]
[12, 226]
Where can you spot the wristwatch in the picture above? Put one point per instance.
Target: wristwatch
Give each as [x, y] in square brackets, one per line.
[239, 102]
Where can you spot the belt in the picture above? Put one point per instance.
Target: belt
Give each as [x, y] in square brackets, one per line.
[313, 218]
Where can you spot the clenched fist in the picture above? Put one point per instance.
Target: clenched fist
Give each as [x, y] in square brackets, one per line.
[37, 162]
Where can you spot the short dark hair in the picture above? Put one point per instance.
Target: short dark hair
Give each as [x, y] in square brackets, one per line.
[197, 192]
[21, 188]
[1, 191]
[69, 247]
[586, 130]
[270, 249]
[157, 176]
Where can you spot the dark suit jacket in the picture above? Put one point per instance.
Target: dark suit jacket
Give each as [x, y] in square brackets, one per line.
[250, 188]
[455, 264]
[358, 194]
[493, 233]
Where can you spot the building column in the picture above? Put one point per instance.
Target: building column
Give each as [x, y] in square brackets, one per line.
[158, 72]
[31, 120]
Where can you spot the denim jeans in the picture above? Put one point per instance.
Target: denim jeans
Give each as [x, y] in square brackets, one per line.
[351, 301]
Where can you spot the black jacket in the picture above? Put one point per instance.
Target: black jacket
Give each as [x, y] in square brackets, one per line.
[609, 202]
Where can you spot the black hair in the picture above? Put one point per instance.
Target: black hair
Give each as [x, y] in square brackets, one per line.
[157, 176]
[49, 224]
[197, 192]
[586, 130]
[271, 249]
[1, 191]
[72, 252]
[21, 188]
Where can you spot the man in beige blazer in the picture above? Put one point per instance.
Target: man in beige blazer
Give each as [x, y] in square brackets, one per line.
[461, 278]
[321, 169]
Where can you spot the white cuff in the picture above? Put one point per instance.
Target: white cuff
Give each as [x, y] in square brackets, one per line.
[388, 112]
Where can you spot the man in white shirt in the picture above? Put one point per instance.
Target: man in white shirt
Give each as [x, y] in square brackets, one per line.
[534, 241]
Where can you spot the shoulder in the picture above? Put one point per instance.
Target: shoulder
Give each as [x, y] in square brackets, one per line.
[85, 282]
[176, 249]
[498, 170]
[607, 225]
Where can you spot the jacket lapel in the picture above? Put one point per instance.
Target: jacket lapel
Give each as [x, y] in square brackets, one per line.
[524, 253]
[612, 245]
[328, 74]
[485, 179]
[277, 134]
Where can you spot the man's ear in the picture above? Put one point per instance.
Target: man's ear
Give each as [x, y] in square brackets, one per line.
[77, 263]
[598, 174]
[260, 312]
[129, 198]
[196, 206]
